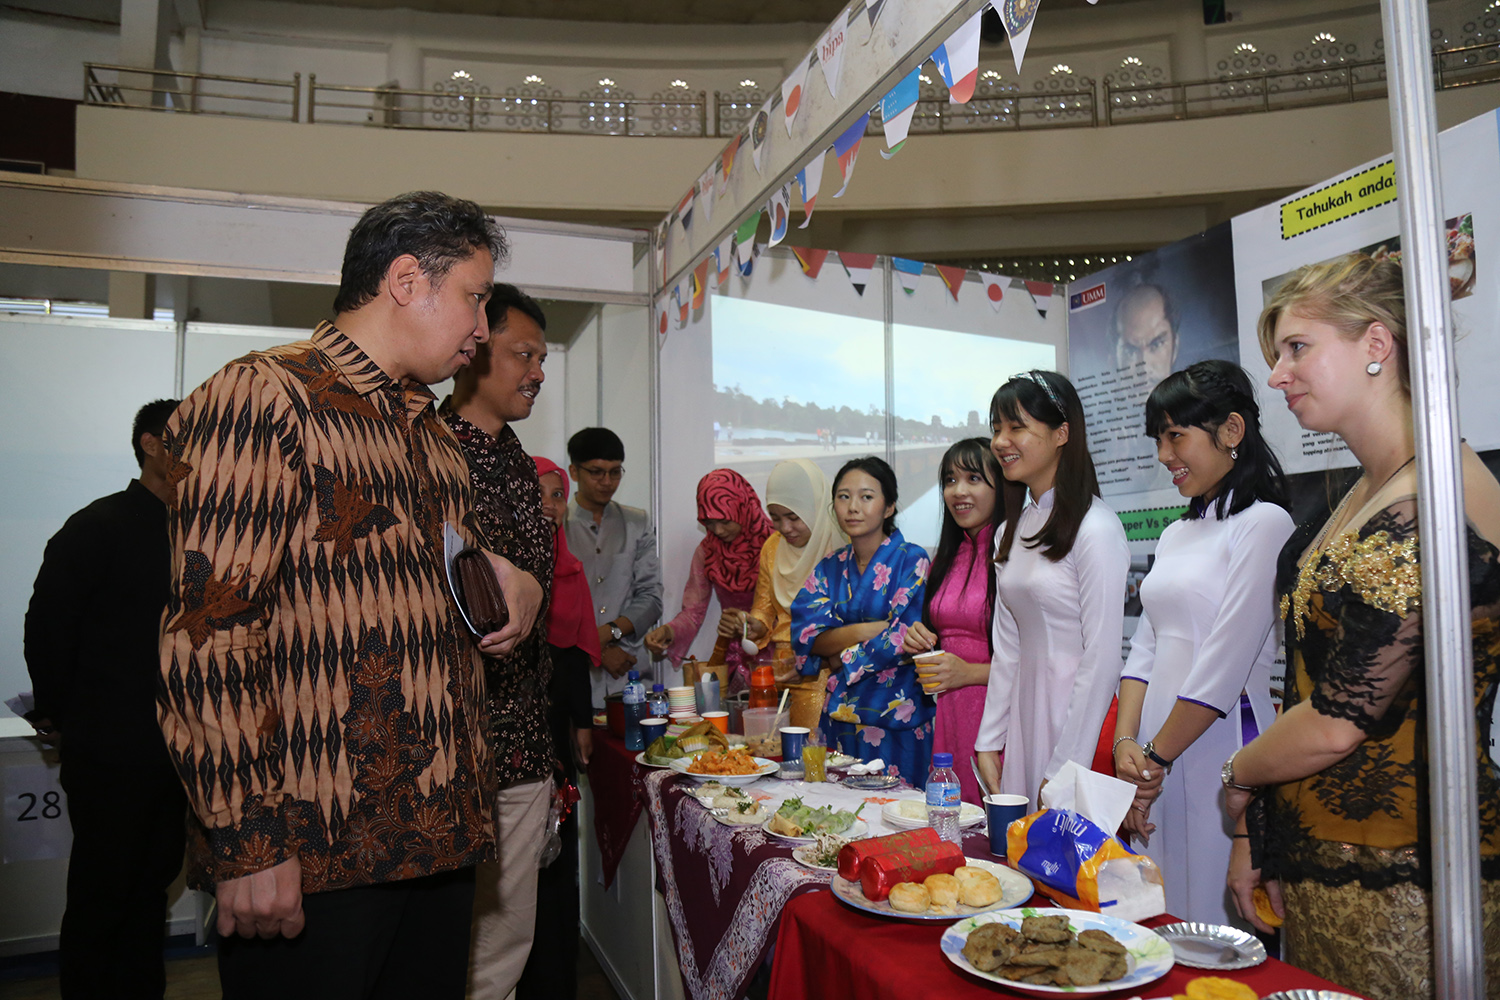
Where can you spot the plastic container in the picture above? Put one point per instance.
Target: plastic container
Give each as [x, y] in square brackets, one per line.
[943, 799]
[757, 721]
[635, 710]
[763, 688]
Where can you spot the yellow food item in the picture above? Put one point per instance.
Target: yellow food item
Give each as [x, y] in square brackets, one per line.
[729, 762]
[942, 889]
[1219, 988]
[909, 897]
[1263, 907]
[981, 891]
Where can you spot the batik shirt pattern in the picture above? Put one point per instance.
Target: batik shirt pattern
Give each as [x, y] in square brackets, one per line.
[321, 697]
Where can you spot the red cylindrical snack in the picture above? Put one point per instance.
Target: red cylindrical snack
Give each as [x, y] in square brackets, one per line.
[879, 873]
[851, 854]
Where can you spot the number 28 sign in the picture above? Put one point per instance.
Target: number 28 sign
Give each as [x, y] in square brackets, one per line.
[34, 826]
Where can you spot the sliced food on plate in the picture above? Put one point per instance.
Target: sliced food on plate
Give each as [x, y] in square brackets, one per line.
[796, 819]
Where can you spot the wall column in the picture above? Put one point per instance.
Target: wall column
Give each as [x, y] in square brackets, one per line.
[145, 31]
[132, 295]
[404, 70]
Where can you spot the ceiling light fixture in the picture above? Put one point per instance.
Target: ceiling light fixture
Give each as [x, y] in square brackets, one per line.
[1322, 38]
[606, 82]
[924, 78]
[990, 74]
[1245, 48]
[751, 83]
[1061, 68]
[682, 84]
[1130, 61]
[460, 74]
[533, 78]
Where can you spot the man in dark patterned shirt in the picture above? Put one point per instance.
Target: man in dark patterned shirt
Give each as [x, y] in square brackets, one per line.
[500, 387]
[322, 701]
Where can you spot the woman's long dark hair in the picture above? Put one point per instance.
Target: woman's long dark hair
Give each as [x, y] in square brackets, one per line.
[1204, 395]
[968, 455]
[883, 474]
[1051, 399]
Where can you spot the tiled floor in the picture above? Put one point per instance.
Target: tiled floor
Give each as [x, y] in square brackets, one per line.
[196, 977]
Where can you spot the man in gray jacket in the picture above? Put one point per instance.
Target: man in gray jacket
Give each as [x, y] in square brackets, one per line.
[617, 547]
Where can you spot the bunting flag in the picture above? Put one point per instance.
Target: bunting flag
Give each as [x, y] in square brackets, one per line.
[791, 94]
[700, 283]
[1041, 295]
[831, 50]
[778, 208]
[706, 193]
[724, 259]
[809, 179]
[910, 271]
[846, 149]
[992, 288]
[685, 207]
[957, 60]
[873, 9]
[661, 315]
[744, 244]
[953, 277]
[811, 260]
[759, 126]
[682, 307]
[1017, 16]
[896, 110]
[727, 159]
[859, 266]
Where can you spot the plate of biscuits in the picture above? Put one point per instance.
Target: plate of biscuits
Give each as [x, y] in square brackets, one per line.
[979, 887]
[1057, 951]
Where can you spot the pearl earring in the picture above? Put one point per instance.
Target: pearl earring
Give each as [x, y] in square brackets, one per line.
[1373, 368]
[1234, 453]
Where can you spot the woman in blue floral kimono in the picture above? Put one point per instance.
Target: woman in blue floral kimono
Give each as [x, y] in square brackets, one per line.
[855, 610]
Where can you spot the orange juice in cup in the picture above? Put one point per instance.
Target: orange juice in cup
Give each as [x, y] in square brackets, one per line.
[813, 760]
[925, 671]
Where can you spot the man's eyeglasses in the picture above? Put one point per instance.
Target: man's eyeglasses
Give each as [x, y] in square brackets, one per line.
[595, 472]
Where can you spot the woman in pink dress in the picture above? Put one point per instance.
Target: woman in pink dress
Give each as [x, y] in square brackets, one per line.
[960, 604]
[726, 565]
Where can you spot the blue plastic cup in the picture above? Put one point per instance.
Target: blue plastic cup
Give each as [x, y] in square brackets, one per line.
[1001, 811]
[793, 739]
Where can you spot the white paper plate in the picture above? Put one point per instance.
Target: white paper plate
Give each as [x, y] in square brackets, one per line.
[1310, 995]
[856, 830]
[1015, 889]
[803, 856]
[968, 815]
[730, 780]
[640, 759]
[1200, 946]
[1148, 956]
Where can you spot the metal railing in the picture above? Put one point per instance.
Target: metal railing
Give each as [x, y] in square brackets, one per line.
[472, 110]
[1064, 102]
[1277, 90]
[194, 93]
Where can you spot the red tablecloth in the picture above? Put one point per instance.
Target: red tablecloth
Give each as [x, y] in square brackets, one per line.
[826, 950]
[615, 781]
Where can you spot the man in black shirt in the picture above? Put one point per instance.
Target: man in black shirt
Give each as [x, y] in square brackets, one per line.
[93, 650]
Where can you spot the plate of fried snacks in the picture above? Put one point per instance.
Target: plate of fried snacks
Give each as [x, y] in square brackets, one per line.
[1213, 946]
[822, 854]
[730, 767]
[801, 823]
[1059, 951]
[976, 888]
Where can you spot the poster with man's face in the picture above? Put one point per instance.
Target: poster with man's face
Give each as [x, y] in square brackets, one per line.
[1132, 325]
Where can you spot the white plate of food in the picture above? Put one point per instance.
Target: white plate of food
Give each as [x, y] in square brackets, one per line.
[731, 806]
[908, 814]
[1213, 946]
[640, 759]
[736, 765]
[1061, 946]
[798, 823]
[1013, 890]
[821, 855]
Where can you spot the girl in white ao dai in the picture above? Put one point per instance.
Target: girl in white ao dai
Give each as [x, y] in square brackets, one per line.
[1197, 683]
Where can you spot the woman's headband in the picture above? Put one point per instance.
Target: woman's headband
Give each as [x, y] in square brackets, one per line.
[1040, 379]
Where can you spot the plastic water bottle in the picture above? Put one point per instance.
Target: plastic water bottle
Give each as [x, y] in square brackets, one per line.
[661, 705]
[635, 711]
[943, 799]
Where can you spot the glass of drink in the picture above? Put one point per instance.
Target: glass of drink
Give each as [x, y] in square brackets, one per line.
[814, 756]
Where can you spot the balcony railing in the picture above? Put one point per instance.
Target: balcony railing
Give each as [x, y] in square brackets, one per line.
[1058, 102]
[195, 93]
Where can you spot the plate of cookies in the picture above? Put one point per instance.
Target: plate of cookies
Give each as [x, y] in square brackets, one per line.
[978, 887]
[1057, 951]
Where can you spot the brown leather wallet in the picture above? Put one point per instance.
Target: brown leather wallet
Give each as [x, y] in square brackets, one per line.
[480, 593]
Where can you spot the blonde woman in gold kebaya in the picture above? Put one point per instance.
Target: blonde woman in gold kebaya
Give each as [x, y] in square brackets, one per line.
[1337, 786]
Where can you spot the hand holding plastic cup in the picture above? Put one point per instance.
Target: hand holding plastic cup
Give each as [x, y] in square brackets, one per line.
[923, 676]
[1001, 811]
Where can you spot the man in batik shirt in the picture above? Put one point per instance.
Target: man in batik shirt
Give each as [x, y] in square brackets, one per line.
[323, 702]
[500, 387]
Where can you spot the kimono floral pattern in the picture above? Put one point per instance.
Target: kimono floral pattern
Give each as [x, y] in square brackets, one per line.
[873, 677]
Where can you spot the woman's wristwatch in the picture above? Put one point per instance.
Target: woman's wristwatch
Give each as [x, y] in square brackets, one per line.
[1227, 774]
[615, 632]
[1150, 751]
